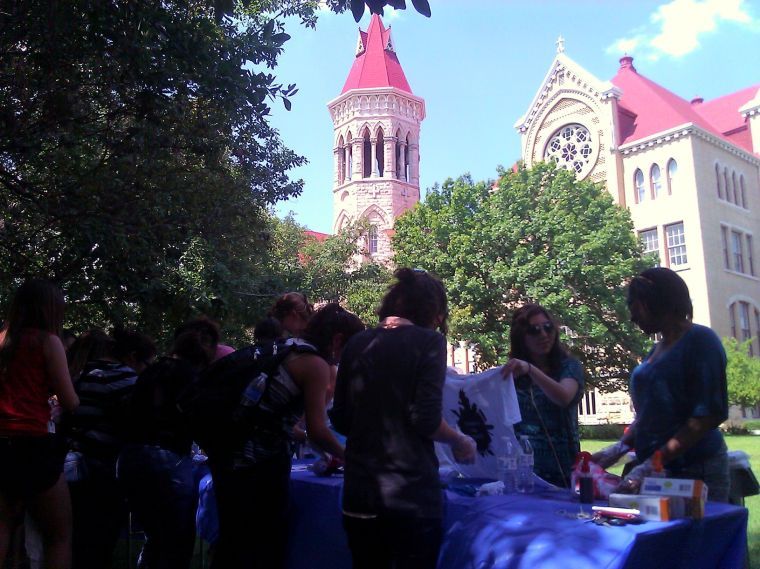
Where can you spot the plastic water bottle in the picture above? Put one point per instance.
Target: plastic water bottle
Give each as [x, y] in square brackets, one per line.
[525, 467]
[506, 466]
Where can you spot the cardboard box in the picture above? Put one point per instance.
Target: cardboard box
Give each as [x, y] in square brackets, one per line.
[652, 508]
[693, 492]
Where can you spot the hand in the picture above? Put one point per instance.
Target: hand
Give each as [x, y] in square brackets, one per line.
[632, 482]
[465, 449]
[609, 455]
[516, 367]
[56, 411]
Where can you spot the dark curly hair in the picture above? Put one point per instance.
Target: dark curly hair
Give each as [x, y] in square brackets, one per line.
[328, 321]
[417, 296]
[195, 341]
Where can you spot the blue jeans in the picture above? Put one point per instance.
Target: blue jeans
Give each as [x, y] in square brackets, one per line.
[162, 495]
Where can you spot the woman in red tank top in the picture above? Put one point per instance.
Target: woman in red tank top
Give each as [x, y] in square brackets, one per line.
[32, 369]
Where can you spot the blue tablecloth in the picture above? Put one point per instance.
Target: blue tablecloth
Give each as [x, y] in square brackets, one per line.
[516, 531]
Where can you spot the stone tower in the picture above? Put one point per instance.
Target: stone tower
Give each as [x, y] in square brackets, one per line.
[376, 122]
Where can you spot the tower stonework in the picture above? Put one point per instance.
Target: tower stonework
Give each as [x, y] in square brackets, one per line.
[376, 123]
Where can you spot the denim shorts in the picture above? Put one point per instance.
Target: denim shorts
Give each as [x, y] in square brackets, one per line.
[31, 464]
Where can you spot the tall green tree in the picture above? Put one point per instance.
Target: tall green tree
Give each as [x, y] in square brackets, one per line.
[742, 373]
[538, 235]
[137, 162]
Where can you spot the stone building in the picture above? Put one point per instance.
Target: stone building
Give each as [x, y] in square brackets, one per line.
[376, 123]
[688, 171]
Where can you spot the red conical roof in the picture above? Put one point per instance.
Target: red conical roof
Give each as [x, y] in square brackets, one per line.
[376, 64]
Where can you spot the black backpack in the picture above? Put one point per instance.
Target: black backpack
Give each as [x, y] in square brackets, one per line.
[220, 406]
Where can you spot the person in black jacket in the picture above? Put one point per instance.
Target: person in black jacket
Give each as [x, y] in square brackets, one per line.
[388, 402]
[155, 467]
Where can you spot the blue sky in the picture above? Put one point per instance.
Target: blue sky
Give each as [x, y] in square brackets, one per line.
[478, 64]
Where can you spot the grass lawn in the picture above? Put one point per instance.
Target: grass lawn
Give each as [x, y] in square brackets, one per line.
[750, 445]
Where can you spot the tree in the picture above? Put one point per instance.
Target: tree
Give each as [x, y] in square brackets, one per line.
[136, 158]
[742, 373]
[538, 235]
[327, 270]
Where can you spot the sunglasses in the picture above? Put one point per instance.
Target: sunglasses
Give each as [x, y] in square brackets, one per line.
[536, 329]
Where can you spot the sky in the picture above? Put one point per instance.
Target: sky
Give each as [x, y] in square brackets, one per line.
[479, 63]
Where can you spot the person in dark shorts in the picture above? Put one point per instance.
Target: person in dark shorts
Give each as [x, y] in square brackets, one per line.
[33, 369]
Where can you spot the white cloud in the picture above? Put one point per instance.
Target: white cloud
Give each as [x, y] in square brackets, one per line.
[675, 28]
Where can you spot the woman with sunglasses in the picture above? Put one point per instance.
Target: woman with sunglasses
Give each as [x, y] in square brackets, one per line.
[549, 384]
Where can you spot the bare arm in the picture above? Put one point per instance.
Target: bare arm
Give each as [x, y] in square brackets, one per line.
[687, 436]
[58, 371]
[312, 374]
[462, 446]
[560, 392]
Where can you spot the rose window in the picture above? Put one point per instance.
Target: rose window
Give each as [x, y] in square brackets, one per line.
[571, 147]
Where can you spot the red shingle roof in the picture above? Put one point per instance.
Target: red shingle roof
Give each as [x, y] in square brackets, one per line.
[375, 65]
[647, 108]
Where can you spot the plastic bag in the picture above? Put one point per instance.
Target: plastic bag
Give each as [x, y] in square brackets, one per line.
[604, 482]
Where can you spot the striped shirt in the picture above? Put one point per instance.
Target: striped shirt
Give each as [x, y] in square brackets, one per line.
[97, 428]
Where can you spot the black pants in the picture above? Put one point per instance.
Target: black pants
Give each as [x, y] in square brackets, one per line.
[252, 504]
[393, 543]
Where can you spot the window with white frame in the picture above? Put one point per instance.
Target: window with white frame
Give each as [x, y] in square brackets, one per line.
[372, 240]
[736, 250]
[672, 172]
[676, 244]
[750, 257]
[650, 241]
[724, 239]
[654, 180]
[638, 183]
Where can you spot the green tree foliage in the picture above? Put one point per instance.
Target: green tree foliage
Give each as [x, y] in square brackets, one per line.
[327, 270]
[743, 373]
[539, 235]
[136, 158]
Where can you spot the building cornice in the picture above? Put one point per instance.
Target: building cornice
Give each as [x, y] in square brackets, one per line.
[681, 131]
[347, 107]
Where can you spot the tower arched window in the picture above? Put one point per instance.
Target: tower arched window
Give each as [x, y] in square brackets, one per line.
[397, 155]
[380, 153]
[638, 184]
[341, 161]
[717, 181]
[654, 180]
[349, 156]
[366, 155]
[672, 172]
[743, 191]
[725, 184]
[407, 167]
[735, 187]
[372, 239]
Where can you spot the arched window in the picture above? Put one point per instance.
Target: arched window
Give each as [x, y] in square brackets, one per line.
[407, 167]
[735, 187]
[638, 183]
[366, 155]
[717, 181]
[341, 161]
[349, 156]
[725, 184]
[654, 180]
[743, 191]
[672, 171]
[372, 239]
[380, 153]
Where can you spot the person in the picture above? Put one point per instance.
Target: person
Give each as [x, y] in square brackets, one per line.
[252, 483]
[549, 385]
[293, 311]
[96, 434]
[155, 467]
[388, 403]
[679, 390]
[32, 367]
